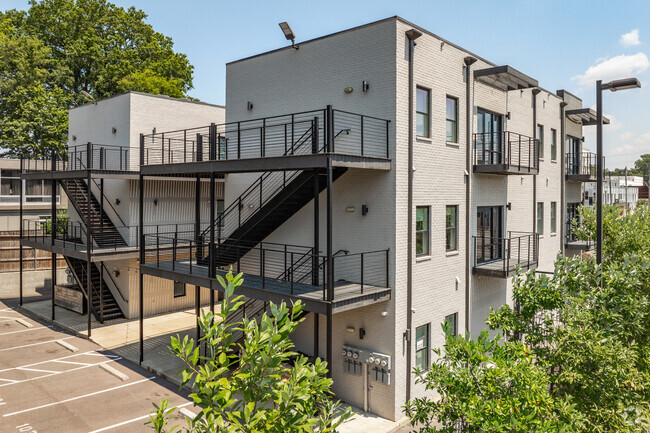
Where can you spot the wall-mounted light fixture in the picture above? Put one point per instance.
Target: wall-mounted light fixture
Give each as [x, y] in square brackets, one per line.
[74, 138]
[364, 86]
[288, 33]
[362, 333]
[113, 130]
[116, 273]
[155, 202]
[349, 329]
[249, 106]
[350, 209]
[509, 206]
[508, 116]
[348, 90]
[383, 313]
[117, 202]
[364, 210]
[251, 206]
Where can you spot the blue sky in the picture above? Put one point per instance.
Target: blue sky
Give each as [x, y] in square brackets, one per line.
[563, 44]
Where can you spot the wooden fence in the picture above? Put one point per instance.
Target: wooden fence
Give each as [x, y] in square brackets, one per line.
[33, 259]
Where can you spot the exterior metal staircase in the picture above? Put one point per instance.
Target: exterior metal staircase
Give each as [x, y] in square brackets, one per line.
[104, 232]
[104, 305]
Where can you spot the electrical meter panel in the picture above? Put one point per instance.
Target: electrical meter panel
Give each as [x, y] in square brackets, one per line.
[353, 358]
[379, 366]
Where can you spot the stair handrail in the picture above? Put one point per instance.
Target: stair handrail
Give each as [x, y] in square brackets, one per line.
[110, 276]
[304, 138]
[81, 278]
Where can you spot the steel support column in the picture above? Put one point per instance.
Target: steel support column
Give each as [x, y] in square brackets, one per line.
[316, 334]
[20, 259]
[197, 235]
[89, 244]
[599, 172]
[315, 264]
[53, 233]
[142, 249]
[469, 61]
[563, 211]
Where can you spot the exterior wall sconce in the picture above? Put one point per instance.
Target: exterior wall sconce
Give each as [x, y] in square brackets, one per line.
[348, 90]
[74, 138]
[509, 206]
[249, 106]
[364, 210]
[113, 130]
[251, 206]
[362, 333]
[364, 86]
[117, 202]
[350, 209]
[383, 313]
[155, 202]
[349, 329]
[116, 272]
[508, 116]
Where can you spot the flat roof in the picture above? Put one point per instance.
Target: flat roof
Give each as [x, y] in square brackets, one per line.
[395, 17]
[148, 95]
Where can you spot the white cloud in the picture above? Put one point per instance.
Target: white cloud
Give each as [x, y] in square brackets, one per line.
[617, 67]
[626, 135]
[630, 39]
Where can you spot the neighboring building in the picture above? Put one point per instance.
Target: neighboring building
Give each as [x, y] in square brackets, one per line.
[616, 190]
[388, 187]
[104, 136]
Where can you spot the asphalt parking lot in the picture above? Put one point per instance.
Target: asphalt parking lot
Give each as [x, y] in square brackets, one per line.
[53, 382]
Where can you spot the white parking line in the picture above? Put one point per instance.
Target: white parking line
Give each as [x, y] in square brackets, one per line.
[14, 382]
[73, 363]
[34, 344]
[49, 360]
[110, 427]
[26, 330]
[78, 397]
[35, 369]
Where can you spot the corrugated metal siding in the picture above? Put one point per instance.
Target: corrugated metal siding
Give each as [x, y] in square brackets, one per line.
[174, 201]
[159, 295]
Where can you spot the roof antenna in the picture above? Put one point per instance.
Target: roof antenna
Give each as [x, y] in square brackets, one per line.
[288, 33]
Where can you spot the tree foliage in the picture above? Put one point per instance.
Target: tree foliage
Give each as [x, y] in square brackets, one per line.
[488, 385]
[251, 386]
[58, 48]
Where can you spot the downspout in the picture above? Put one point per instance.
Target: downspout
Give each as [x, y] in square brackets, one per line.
[412, 35]
[535, 93]
[469, 61]
[563, 211]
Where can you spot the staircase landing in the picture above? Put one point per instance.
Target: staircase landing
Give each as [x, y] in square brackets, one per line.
[347, 295]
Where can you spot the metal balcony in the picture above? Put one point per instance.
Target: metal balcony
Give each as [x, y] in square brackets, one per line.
[505, 153]
[581, 167]
[501, 257]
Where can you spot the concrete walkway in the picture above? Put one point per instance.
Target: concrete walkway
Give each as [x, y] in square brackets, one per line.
[122, 337]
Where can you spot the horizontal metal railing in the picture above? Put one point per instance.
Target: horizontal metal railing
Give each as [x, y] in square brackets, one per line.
[582, 164]
[289, 269]
[268, 137]
[506, 148]
[519, 249]
[88, 156]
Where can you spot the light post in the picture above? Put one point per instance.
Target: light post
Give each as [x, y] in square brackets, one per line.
[625, 83]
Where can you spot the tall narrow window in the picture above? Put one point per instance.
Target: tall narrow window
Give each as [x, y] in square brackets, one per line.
[553, 145]
[422, 107]
[553, 217]
[452, 119]
[452, 320]
[451, 224]
[540, 138]
[422, 231]
[422, 347]
[540, 218]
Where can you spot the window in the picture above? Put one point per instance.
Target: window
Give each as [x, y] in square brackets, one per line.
[179, 289]
[422, 347]
[422, 231]
[553, 217]
[452, 320]
[451, 224]
[540, 137]
[540, 218]
[553, 145]
[9, 186]
[452, 119]
[422, 105]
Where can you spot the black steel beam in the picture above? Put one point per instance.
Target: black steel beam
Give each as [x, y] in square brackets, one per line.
[142, 251]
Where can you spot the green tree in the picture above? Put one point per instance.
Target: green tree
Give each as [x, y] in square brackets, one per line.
[251, 387]
[488, 385]
[60, 47]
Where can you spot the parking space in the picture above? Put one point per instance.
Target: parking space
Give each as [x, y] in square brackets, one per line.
[53, 382]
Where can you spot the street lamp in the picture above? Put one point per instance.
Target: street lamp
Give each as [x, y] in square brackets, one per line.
[625, 83]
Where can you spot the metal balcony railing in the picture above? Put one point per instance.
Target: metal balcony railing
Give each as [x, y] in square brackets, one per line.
[505, 255]
[289, 269]
[93, 156]
[270, 136]
[506, 149]
[582, 164]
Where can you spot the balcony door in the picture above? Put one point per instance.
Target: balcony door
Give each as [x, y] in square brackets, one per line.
[571, 215]
[489, 233]
[489, 138]
[573, 161]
